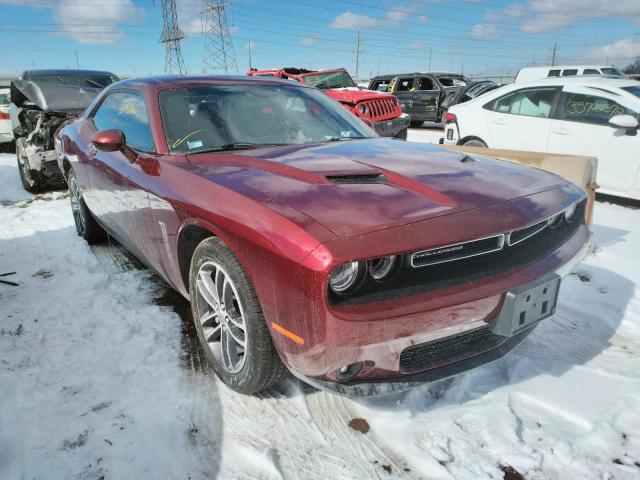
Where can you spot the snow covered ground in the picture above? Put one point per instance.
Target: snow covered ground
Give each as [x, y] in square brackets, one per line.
[101, 378]
[428, 133]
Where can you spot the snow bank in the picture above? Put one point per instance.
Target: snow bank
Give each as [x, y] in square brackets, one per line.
[99, 379]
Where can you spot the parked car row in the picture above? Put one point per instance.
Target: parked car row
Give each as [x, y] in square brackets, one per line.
[571, 115]
[380, 110]
[304, 241]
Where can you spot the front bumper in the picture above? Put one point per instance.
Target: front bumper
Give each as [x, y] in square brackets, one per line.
[390, 128]
[468, 323]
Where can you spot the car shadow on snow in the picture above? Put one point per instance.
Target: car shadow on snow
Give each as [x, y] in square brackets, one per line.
[591, 307]
[93, 355]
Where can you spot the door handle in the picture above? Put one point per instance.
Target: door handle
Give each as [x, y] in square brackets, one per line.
[500, 121]
[562, 131]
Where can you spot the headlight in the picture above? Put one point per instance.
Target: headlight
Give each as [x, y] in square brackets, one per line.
[570, 212]
[383, 268]
[347, 277]
[363, 109]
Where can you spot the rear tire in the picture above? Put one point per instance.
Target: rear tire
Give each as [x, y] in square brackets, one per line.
[402, 134]
[33, 181]
[86, 226]
[475, 142]
[229, 320]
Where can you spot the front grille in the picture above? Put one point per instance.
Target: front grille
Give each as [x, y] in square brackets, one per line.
[447, 350]
[381, 109]
[518, 236]
[447, 274]
[457, 251]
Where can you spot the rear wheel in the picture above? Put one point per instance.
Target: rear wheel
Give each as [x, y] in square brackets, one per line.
[86, 226]
[474, 142]
[229, 320]
[32, 180]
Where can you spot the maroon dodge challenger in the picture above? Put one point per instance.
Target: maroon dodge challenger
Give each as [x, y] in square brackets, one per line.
[306, 243]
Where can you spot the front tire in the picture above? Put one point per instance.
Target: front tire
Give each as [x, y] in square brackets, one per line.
[86, 226]
[32, 180]
[229, 320]
[474, 142]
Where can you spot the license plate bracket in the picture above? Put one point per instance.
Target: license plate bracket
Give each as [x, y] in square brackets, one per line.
[527, 305]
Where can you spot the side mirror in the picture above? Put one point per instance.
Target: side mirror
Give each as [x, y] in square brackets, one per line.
[628, 122]
[109, 140]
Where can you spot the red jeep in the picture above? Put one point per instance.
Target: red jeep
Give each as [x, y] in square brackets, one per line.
[379, 109]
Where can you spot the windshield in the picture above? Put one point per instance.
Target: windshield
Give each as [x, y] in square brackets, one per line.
[214, 118]
[329, 80]
[611, 71]
[94, 81]
[633, 90]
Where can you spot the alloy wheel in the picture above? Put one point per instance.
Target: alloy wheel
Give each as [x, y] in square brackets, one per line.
[220, 316]
[76, 208]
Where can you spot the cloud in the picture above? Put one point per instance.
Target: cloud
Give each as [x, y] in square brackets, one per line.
[353, 21]
[90, 21]
[487, 30]
[398, 15]
[547, 16]
[625, 49]
[307, 41]
[416, 46]
[78, 21]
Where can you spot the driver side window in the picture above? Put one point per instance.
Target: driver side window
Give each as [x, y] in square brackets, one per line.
[590, 109]
[126, 111]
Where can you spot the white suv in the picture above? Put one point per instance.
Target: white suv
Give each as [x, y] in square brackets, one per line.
[578, 116]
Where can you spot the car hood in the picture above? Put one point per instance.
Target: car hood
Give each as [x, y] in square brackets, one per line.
[360, 186]
[355, 95]
[52, 97]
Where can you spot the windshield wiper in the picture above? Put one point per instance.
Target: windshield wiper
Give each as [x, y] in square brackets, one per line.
[342, 139]
[243, 146]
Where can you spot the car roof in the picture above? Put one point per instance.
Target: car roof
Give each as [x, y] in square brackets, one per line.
[79, 73]
[561, 67]
[586, 80]
[436, 74]
[162, 82]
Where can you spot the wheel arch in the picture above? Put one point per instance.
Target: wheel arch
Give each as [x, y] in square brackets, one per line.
[190, 235]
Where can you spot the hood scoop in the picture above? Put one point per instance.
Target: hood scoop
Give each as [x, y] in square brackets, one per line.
[360, 178]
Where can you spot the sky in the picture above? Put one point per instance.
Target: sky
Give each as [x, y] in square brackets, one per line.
[475, 37]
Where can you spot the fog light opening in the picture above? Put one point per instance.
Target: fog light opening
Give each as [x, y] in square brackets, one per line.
[348, 371]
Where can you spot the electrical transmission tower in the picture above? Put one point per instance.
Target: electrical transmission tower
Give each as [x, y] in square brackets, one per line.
[218, 48]
[171, 36]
